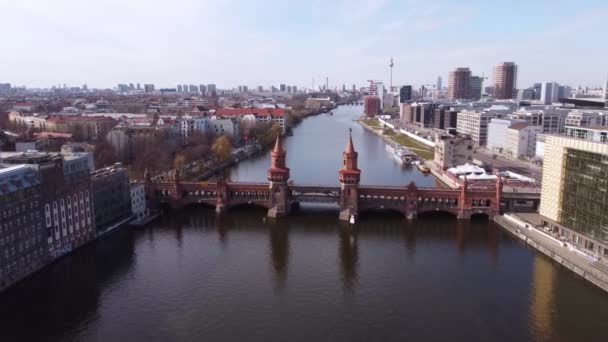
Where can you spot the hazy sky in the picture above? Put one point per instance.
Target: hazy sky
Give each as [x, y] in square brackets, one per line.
[258, 42]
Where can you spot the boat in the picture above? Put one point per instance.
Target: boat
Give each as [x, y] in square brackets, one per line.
[404, 156]
[423, 168]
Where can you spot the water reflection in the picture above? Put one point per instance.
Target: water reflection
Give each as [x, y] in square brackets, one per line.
[55, 301]
[279, 253]
[348, 257]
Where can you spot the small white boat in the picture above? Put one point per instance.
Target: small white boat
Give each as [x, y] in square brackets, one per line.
[352, 219]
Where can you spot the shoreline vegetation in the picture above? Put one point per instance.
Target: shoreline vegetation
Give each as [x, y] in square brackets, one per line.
[421, 150]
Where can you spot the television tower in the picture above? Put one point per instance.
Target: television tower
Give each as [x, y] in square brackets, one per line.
[391, 65]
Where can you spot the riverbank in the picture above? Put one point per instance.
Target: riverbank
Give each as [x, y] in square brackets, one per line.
[572, 259]
[422, 151]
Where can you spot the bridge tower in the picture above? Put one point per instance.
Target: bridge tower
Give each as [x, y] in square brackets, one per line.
[278, 176]
[464, 209]
[350, 177]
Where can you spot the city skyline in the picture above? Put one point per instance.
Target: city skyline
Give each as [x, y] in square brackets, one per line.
[191, 42]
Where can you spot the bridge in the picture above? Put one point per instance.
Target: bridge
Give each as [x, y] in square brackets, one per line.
[279, 195]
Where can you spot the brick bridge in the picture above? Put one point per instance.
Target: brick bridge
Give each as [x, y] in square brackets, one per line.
[279, 194]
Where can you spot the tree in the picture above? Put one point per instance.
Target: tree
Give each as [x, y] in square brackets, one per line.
[222, 148]
[179, 161]
[104, 154]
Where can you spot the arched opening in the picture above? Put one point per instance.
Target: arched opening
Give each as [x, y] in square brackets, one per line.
[480, 216]
[436, 214]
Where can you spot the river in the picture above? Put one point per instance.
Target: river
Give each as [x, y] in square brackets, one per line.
[194, 276]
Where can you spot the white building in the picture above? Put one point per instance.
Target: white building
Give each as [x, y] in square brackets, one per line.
[497, 134]
[549, 92]
[521, 140]
[475, 124]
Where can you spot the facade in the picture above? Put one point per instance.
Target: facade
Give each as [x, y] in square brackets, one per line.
[574, 198]
[372, 105]
[23, 246]
[451, 151]
[405, 94]
[475, 124]
[445, 117]
[65, 197]
[459, 84]
[521, 140]
[549, 92]
[376, 88]
[552, 120]
[138, 201]
[599, 134]
[476, 85]
[505, 80]
[111, 191]
[583, 118]
[497, 134]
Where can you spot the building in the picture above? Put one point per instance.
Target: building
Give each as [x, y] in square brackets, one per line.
[445, 117]
[405, 93]
[574, 197]
[549, 92]
[497, 134]
[505, 80]
[273, 116]
[551, 119]
[149, 88]
[211, 89]
[282, 88]
[418, 114]
[23, 244]
[439, 83]
[476, 87]
[376, 88]
[587, 118]
[111, 197]
[452, 150]
[599, 134]
[459, 84]
[475, 124]
[371, 105]
[65, 197]
[138, 201]
[521, 140]
[316, 103]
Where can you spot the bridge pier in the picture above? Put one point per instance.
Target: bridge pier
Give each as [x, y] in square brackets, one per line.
[347, 213]
[464, 214]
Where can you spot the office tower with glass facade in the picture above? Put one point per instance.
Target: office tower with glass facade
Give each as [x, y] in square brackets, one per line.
[574, 198]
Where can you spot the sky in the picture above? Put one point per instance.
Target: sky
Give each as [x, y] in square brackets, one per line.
[268, 42]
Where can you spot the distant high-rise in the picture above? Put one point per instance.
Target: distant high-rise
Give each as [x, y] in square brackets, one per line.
[376, 88]
[131, 86]
[439, 82]
[354, 87]
[405, 93]
[476, 84]
[149, 88]
[505, 80]
[260, 89]
[459, 84]
[179, 88]
[211, 89]
[138, 86]
[282, 87]
[203, 89]
[606, 90]
[193, 88]
[549, 92]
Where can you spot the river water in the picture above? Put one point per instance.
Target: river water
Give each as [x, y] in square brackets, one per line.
[193, 276]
